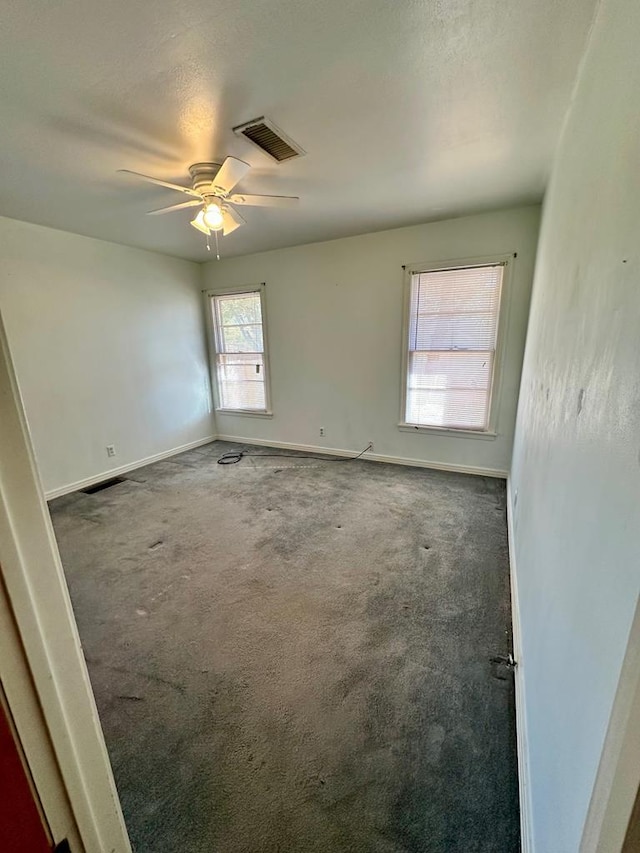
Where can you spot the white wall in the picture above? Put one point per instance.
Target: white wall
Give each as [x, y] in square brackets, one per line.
[576, 469]
[334, 315]
[108, 347]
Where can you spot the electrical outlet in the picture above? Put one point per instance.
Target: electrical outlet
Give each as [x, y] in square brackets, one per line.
[321, 430]
[370, 444]
[111, 450]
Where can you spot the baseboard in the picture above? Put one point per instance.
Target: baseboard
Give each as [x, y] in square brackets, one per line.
[370, 457]
[524, 784]
[124, 469]
[305, 448]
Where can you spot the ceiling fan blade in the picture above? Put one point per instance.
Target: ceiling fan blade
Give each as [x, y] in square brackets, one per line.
[264, 200]
[231, 220]
[231, 171]
[160, 183]
[173, 207]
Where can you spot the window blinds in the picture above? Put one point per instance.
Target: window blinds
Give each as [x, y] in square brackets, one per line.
[453, 325]
[239, 347]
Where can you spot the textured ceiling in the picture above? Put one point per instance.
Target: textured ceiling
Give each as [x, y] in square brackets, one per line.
[409, 110]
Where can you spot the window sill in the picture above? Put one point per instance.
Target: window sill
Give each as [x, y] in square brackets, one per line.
[487, 435]
[252, 413]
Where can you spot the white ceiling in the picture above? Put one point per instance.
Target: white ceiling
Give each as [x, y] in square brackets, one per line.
[409, 110]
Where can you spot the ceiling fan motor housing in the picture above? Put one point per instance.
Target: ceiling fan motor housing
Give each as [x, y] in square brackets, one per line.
[203, 177]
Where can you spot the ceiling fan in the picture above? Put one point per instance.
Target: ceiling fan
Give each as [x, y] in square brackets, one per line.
[211, 186]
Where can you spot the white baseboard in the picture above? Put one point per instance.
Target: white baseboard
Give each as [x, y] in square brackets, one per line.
[524, 784]
[370, 457]
[283, 445]
[124, 469]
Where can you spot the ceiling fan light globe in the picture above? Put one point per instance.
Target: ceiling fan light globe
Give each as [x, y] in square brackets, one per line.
[199, 223]
[212, 217]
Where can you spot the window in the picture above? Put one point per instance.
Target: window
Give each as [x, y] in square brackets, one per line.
[240, 359]
[452, 330]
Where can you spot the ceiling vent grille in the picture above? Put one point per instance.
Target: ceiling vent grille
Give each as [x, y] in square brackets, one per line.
[269, 139]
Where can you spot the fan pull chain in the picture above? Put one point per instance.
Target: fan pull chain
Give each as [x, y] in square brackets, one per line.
[208, 246]
[217, 248]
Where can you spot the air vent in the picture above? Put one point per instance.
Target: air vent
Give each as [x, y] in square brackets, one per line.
[105, 484]
[269, 139]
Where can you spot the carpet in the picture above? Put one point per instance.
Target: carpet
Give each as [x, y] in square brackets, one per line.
[292, 656]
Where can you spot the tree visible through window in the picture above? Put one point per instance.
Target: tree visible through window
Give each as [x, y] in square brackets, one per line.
[239, 351]
[452, 333]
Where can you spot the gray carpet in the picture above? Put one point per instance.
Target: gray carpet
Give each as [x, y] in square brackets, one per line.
[291, 656]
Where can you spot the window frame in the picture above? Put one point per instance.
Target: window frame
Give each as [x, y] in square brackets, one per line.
[505, 260]
[212, 336]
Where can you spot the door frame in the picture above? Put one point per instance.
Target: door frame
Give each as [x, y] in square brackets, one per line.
[618, 777]
[42, 666]
[19, 700]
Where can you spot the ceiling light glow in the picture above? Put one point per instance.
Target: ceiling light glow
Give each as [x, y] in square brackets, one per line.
[212, 216]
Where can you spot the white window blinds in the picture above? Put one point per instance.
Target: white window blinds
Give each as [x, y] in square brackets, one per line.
[452, 332]
[239, 345]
